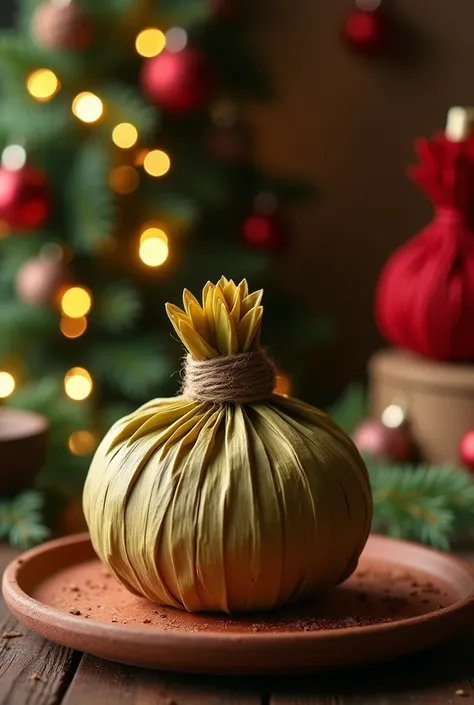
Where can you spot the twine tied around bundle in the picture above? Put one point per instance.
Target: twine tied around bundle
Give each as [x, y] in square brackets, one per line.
[242, 378]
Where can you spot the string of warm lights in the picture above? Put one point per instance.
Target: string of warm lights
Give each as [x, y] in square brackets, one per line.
[76, 301]
[78, 383]
[43, 85]
[153, 247]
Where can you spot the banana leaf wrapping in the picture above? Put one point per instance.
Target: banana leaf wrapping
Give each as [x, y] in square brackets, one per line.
[232, 505]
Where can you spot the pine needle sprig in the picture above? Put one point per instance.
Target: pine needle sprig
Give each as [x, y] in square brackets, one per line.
[21, 520]
[423, 503]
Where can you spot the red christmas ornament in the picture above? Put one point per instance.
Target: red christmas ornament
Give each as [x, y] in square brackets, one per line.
[466, 450]
[24, 197]
[425, 295]
[62, 27]
[39, 279]
[180, 82]
[368, 29]
[380, 442]
[263, 231]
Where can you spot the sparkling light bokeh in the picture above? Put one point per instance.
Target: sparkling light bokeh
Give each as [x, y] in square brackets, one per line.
[125, 135]
[156, 163]
[78, 383]
[87, 107]
[7, 384]
[42, 84]
[150, 42]
[124, 179]
[73, 327]
[82, 442]
[76, 302]
[153, 250]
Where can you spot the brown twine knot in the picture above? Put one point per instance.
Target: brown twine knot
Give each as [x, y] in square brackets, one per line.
[242, 378]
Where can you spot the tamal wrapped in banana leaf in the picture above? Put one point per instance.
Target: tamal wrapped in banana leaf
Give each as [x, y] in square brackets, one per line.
[227, 497]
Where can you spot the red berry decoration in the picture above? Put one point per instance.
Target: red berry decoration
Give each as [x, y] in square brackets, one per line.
[380, 442]
[24, 197]
[180, 82]
[466, 450]
[62, 26]
[264, 232]
[367, 29]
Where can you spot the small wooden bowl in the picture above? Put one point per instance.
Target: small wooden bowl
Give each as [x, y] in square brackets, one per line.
[23, 443]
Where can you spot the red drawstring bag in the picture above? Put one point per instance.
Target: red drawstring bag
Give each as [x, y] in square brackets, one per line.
[425, 295]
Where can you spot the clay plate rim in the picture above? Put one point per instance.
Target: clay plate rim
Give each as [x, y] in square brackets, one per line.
[20, 602]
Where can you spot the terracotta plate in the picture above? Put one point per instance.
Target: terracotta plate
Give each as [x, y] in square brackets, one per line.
[403, 597]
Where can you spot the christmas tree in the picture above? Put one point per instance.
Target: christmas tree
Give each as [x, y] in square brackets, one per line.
[127, 173]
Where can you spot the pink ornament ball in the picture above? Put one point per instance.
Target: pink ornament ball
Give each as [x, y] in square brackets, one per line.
[380, 442]
[466, 450]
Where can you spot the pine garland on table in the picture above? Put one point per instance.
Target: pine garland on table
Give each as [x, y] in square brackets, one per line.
[432, 505]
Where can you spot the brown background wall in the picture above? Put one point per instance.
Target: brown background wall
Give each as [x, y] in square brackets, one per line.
[347, 124]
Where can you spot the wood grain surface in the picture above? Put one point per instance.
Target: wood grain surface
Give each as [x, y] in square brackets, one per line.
[36, 672]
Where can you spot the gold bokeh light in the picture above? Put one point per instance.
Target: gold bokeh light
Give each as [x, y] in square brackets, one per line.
[87, 107]
[156, 163]
[78, 383]
[76, 302]
[7, 384]
[125, 135]
[82, 442]
[73, 327]
[124, 179]
[153, 251]
[42, 84]
[153, 232]
[150, 42]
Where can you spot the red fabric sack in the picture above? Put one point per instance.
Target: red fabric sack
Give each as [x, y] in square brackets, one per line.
[425, 295]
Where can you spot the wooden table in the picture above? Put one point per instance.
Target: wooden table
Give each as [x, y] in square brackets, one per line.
[36, 672]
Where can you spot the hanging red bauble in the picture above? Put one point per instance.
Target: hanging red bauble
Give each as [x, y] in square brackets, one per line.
[380, 442]
[62, 26]
[24, 197]
[39, 279]
[180, 81]
[466, 450]
[425, 295]
[368, 29]
[264, 231]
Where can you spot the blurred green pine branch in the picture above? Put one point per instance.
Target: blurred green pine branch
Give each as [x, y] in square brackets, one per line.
[22, 520]
[432, 505]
